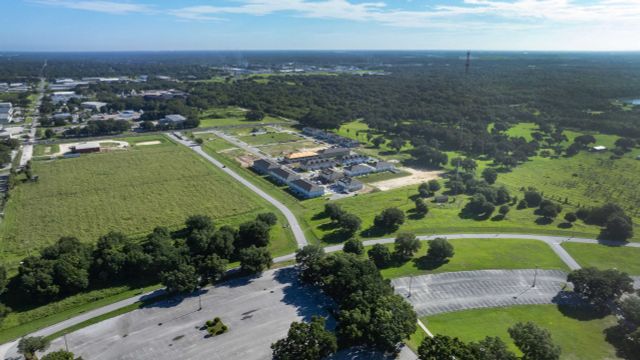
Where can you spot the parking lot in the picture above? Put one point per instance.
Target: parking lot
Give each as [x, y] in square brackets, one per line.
[257, 311]
[447, 292]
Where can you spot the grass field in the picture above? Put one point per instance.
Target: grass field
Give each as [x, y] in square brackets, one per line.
[482, 254]
[625, 259]
[372, 178]
[445, 219]
[269, 138]
[580, 335]
[231, 116]
[587, 179]
[131, 191]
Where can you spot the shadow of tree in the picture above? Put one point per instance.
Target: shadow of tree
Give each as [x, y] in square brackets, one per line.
[429, 263]
[308, 300]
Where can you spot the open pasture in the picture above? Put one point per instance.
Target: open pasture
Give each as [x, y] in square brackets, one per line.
[131, 191]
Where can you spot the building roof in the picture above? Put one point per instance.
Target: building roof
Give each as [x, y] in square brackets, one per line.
[306, 185]
[284, 173]
[380, 164]
[264, 164]
[332, 151]
[94, 103]
[6, 105]
[89, 145]
[175, 118]
[300, 155]
[358, 167]
[599, 148]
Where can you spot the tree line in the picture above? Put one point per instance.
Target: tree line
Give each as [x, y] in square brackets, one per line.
[197, 255]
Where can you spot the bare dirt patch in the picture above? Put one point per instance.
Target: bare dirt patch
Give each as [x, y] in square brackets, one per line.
[105, 144]
[415, 177]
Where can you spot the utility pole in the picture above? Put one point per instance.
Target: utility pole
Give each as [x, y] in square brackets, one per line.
[410, 285]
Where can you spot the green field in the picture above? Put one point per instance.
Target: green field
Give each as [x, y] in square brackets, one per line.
[231, 116]
[372, 178]
[441, 219]
[482, 254]
[131, 191]
[579, 335]
[269, 138]
[625, 259]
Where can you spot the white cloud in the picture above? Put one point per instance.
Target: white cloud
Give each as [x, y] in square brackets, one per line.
[109, 7]
[470, 15]
[475, 13]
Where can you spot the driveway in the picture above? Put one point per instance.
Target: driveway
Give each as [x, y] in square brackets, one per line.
[447, 292]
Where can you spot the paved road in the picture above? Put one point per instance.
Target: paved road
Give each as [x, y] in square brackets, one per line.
[291, 218]
[455, 291]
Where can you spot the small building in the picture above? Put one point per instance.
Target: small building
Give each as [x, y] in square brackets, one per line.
[174, 119]
[358, 170]
[329, 176]
[306, 189]
[63, 96]
[381, 166]
[599, 148]
[317, 164]
[334, 153]
[264, 166]
[85, 148]
[350, 184]
[353, 159]
[283, 175]
[93, 105]
[62, 116]
[441, 199]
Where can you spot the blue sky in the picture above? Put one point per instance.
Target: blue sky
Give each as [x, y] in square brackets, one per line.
[104, 25]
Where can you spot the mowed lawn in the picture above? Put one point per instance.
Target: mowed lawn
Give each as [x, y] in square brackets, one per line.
[625, 259]
[231, 116]
[580, 335]
[441, 219]
[481, 254]
[131, 191]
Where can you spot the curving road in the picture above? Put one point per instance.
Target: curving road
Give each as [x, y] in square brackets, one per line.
[291, 218]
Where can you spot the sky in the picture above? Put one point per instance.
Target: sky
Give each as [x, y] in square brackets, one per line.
[149, 25]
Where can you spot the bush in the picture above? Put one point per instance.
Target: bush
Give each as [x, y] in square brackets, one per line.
[353, 246]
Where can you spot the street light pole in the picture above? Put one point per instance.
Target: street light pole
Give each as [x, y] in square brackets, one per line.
[535, 276]
[410, 285]
[199, 302]
[66, 345]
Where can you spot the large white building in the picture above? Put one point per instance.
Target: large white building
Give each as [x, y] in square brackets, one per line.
[6, 112]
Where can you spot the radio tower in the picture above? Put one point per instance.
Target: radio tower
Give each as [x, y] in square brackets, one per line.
[466, 66]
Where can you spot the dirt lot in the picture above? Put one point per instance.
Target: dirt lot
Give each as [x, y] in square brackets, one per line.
[144, 143]
[416, 177]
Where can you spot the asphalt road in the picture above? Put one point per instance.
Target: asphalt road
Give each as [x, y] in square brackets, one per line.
[291, 218]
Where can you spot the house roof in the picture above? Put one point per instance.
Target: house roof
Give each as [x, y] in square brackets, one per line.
[358, 167]
[306, 185]
[85, 146]
[264, 164]
[284, 173]
[334, 151]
